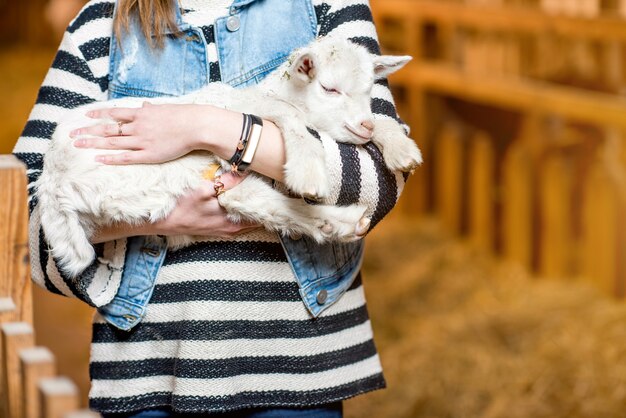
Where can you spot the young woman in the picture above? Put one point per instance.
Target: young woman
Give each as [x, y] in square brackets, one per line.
[243, 322]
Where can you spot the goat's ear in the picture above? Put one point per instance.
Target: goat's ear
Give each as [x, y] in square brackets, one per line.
[388, 64]
[304, 67]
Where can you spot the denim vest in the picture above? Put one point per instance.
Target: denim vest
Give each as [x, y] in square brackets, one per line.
[249, 47]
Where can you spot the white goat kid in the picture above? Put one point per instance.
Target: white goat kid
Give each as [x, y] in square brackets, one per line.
[326, 86]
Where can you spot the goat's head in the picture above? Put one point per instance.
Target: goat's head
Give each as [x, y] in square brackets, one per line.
[333, 79]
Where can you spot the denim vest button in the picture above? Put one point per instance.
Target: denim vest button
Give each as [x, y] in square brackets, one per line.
[233, 23]
[322, 295]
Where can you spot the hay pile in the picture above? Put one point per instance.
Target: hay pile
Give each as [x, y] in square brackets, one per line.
[463, 336]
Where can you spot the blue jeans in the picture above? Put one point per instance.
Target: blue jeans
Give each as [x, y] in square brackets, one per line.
[333, 410]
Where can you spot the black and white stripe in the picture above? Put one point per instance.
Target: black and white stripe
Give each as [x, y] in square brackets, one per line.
[226, 327]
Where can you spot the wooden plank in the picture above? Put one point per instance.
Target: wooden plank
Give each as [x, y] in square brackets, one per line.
[58, 397]
[613, 65]
[7, 308]
[508, 18]
[555, 214]
[16, 336]
[517, 94]
[517, 225]
[600, 229]
[14, 262]
[448, 167]
[481, 192]
[36, 363]
[416, 189]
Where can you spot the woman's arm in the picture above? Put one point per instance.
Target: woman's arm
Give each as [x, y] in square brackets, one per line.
[196, 213]
[70, 82]
[196, 127]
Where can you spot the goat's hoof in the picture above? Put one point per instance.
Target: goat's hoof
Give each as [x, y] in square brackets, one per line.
[311, 197]
[362, 227]
[327, 228]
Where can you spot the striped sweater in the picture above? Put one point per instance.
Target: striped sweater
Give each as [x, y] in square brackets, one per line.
[225, 328]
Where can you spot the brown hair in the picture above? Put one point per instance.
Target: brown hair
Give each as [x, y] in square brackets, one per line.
[155, 16]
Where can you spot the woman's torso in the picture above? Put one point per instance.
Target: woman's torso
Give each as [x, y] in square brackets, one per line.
[226, 327]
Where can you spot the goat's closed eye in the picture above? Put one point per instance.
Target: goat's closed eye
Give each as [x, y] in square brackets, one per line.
[330, 90]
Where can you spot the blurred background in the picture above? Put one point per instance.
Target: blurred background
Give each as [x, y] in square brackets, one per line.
[497, 285]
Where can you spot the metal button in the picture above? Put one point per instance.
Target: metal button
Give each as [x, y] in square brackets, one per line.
[233, 23]
[322, 296]
[130, 318]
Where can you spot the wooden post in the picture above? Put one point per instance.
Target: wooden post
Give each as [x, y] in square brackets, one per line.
[58, 397]
[448, 166]
[556, 240]
[37, 363]
[14, 263]
[517, 205]
[600, 211]
[15, 337]
[416, 187]
[481, 192]
[7, 308]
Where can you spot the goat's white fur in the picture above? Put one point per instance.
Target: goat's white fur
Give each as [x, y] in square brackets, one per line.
[326, 85]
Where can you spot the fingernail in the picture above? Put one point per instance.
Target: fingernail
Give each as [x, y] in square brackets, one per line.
[100, 159]
[74, 133]
[79, 143]
[90, 114]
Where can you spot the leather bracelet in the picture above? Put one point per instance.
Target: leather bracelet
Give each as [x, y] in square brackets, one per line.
[235, 160]
[252, 143]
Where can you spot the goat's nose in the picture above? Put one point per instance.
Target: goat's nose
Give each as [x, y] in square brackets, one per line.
[368, 124]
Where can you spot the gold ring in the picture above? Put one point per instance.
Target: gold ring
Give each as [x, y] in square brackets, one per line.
[219, 188]
[119, 128]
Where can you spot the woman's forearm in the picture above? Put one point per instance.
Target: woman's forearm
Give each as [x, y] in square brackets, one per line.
[222, 131]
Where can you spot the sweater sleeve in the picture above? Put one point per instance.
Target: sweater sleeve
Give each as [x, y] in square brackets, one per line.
[70, 82]
[358, 173]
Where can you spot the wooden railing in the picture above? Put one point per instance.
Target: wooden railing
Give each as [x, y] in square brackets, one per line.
[521, 157]
[29, 386]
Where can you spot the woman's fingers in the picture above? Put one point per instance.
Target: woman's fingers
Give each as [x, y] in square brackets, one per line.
[106, 129]
[111, 142]
[230, 180]
[124, 158]
[124, 114]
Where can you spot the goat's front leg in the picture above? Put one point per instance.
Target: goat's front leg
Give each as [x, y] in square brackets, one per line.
[399, 151]
[254, 200]
[305, 166]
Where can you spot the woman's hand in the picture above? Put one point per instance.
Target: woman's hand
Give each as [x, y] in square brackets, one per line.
[152, 133]
[199, 213]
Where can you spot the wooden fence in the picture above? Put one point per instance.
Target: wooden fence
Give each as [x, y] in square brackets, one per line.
[29, 386]
[519, 108]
